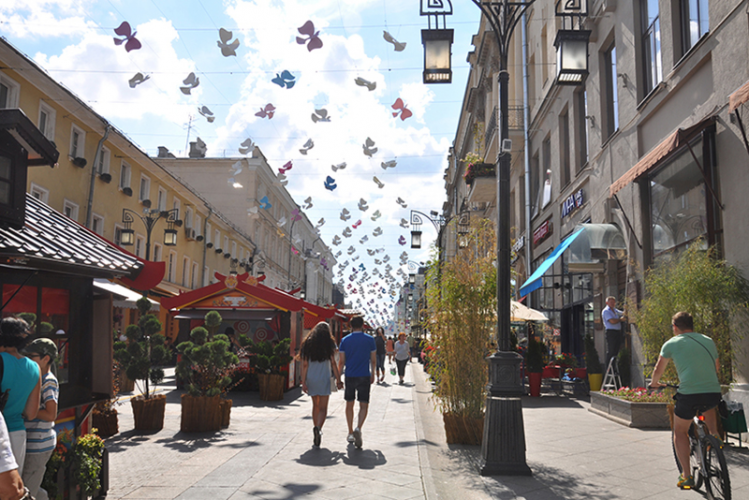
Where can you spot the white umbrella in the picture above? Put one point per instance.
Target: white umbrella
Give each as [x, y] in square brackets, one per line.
[521, 312]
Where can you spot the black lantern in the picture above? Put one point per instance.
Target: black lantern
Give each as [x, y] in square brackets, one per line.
[572, 56]
[437, 55]
[127, 237]
[411, 279]
[170, 237]
[416, 238]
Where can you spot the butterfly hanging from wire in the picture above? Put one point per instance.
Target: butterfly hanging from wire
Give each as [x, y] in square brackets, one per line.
[330, 184]
[312, 37]
[285, 79]
[267, 111]
[190, 82]
[227, 48]
[131, 43]
[400, 108]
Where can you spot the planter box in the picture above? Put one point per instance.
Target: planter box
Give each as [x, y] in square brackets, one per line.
[462, 430]
[105, 423]
[639, 415]
[200, 413]
[271, 386]
[149, 413]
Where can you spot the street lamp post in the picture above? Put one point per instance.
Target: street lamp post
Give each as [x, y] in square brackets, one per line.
[503, 445]
[151, 217]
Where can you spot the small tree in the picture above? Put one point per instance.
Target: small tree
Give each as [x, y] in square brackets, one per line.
[592, 362]
[267, 357]
[711, 290]
[207, 360]
[534, 356]
[144, 352]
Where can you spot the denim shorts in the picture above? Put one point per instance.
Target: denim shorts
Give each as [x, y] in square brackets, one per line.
[687, 404]
[357, 385]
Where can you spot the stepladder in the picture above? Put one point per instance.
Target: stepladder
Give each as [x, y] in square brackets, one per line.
[612, 380]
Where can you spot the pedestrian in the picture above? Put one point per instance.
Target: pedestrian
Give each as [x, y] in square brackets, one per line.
[11, 485]
[612, 322]
[390, 349]
[410, 342]
[41, 438]
[381, 351]
[402, 356]
[23, 378]
[318, 364]
[358, 355]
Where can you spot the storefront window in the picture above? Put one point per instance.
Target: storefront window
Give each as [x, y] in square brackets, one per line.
[678, 204]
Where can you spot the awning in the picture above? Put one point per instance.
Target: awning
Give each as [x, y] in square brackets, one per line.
[127, 298]
[676, 140]
[536, 279]
[738, 97]
[520, 312]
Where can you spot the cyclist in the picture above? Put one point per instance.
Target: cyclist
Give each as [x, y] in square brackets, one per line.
[696, 360]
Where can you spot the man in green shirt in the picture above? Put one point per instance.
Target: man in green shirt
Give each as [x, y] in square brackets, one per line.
[696, 360]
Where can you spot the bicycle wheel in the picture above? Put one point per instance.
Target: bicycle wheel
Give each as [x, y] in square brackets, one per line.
[694, 459]
[717, 483]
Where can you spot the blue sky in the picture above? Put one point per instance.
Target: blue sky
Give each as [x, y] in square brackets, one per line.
[73, 41]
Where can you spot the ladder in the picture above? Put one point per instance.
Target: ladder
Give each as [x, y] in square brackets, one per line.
[612, 380]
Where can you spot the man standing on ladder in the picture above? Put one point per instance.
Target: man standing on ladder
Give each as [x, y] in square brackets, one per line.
[612, 322]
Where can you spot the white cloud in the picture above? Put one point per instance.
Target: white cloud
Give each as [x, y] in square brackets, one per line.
[45, 18]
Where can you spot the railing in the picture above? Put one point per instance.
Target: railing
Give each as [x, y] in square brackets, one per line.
[514, 118]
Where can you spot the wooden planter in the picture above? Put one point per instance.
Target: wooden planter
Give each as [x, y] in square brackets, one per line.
[105, 423]
[149, 413]
[639, 415]
[462, 430]
[271, 386]
[126, 385]
[225, 411]
[200, 413]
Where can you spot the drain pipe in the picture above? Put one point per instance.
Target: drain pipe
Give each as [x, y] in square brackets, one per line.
[526, 146]
[205, 242]
[94, 165]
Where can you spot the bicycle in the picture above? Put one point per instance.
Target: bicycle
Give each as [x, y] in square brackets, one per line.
[706, 458]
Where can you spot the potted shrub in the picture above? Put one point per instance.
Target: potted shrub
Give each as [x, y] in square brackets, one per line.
[534, 363]
[268, 361]
[142, 356]
[593, 364]
[104, 416]
[206, 367]
[75, 468]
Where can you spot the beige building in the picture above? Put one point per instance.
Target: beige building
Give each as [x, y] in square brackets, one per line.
[650, 145]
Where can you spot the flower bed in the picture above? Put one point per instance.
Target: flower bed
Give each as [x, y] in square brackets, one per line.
[632, 407]
[474, 170]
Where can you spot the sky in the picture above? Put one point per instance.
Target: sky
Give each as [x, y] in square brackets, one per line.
[73, 40]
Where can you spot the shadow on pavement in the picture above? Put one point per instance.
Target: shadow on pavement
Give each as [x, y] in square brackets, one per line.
[363, 459]
[294, 491]
[187, 443]
[550, 402]
[405, 444]
[320, 457]
[548, 483]
[127, 439]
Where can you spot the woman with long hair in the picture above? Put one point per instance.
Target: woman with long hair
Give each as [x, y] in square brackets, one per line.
[318, 363]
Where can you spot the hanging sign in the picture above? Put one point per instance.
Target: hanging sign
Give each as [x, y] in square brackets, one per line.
[542, 232]
[572, 203]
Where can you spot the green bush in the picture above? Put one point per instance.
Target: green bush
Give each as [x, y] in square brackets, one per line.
[267, 357]
[592, 361]
[534, 356]
[623, 362]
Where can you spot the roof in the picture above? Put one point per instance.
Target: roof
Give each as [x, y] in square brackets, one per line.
[50, 240]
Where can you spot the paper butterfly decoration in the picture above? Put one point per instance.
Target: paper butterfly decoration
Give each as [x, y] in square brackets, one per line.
[190, 82]
[313, 40]
[252, 211]
[399, 47]
[308, 203]
[378, 262]
[363, 205]
[204, 111]
[320, 115]
[295, 215]
[346, 232]
[237, 168]
[355, 258]
[297, 239]
[365, 83]
[338, 167]
[369, 148]
[287, 166]
[131, 43]
[320, 223]
[356, 224]
[234, 183]
[330, 184]
[364, 239]
[376, 215]
[351, 250]
[307, 146]
[282, 179]
[265, 203]
[267, 111]
[378, 182]
[361, 266]
[247, 146]
[345, 215]
[227, 48]
[388, 164]
[371, 253]
[281, 222]
[336, 240]
[377, 232]
[296, 252]
[285, 79]
[400, 202]
[280, 233]
[137, 80]
[401, 109]
[404, 223]
[338, 254]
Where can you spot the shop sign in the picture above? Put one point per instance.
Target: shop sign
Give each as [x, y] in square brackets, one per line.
[519, 244]
[542, 232]
[572, 203]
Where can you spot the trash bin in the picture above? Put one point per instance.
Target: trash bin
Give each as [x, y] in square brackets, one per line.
[735, 423]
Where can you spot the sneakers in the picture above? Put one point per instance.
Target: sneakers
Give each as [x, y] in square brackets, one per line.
[685, 483]
[357, 438]
[316, 432]
[350, 438]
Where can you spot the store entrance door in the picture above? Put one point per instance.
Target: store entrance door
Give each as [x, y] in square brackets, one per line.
[573, 330]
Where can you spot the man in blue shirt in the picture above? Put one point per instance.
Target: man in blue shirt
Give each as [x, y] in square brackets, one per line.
[357, 354]
[612, 322]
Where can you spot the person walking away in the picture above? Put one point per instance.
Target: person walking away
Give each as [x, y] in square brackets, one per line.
[381, 351]
[41, 438]
[697, 366]
[318, 363]
[612, 322]
[11, 484]
[358, 355]
[23, 378]
[390, 349]
[410, 341]
[402, 356]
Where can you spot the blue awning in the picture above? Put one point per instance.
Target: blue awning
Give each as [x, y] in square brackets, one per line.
[536, 279]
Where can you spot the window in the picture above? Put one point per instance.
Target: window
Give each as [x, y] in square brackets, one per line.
[77, 142]
[226, 244]
[157, 256]
[172, 267]
[531, 80]
[185, 271]
[39, 193]
[102, 165]
[144, 192]
[610, 100]
[47, 120]
[176, 206]
[207, 232]
[535, 184]
[198, 225]
[545, 193]
[194, 280]
[564, 147]
[234, 249]
[206, 273]
[188, 217]
[97, 224]
[140, 246]
[117, 235]
[124, 175]
[9, 92]
[581, 128]
[70, 209]
[217, 238]
[651, 45]
[161, 205]
[695, 22]
[544, 55]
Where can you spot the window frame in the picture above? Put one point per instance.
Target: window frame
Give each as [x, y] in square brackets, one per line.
[126, 169]
[161, 199]
[14, 91]
[117, 234]
[186, 266]
[66, 203]
[171, 265]
[144, 177]
[684, 12]
[44, 193]
[77, 149]
[94, 218]
[103, 165]
[650, 33]
[610, 102]
[157, 252]
[49, 124]
[140, 246]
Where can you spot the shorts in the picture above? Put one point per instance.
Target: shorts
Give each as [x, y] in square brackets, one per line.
[357, 385]
[687, 404]
[381, 361]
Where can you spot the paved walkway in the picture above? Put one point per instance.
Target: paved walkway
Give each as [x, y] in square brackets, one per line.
[267, 454]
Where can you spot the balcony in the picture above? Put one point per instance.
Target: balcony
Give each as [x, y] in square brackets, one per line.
[481, 177]
[515, 123]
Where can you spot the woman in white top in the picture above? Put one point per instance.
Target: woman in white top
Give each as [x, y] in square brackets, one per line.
[318, 363]
[402, 356]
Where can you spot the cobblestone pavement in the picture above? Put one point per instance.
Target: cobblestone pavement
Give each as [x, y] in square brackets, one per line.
[267, 453]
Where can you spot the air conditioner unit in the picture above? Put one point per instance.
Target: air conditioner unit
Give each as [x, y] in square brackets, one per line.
[189, 233]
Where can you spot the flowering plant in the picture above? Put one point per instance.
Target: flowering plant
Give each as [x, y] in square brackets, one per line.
[639, 395]
[565, 359]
